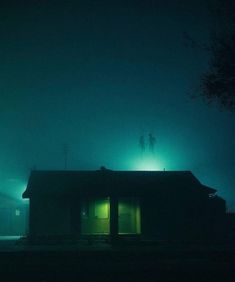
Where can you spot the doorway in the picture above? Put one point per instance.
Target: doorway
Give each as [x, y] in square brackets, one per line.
[129, 221]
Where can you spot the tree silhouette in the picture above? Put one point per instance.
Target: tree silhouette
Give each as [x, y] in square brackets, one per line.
[218, 83]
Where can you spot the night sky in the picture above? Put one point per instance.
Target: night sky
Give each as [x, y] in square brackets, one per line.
[95, 75]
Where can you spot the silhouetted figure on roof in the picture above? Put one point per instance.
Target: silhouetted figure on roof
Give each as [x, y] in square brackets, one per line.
[142, 143]
[152, 142]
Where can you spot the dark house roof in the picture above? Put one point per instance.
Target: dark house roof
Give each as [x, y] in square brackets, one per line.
[107, 182]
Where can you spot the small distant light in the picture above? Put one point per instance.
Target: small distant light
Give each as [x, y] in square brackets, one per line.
[17, 212]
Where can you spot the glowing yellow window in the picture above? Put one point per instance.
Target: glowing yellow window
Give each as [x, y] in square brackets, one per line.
[102, 208]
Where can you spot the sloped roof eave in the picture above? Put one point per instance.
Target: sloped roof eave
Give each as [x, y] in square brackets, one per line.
[52, 183]
[209, 189]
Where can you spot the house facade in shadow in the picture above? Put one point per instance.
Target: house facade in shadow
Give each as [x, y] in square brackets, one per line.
[158, 205]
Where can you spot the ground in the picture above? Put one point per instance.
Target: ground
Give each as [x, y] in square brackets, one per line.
[162, 261]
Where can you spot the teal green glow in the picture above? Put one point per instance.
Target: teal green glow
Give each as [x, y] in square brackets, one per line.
[147, 163]
[15, 188]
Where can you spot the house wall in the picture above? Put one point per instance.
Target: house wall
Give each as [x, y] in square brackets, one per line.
[163, 216]
[49, 216]
[177, 217]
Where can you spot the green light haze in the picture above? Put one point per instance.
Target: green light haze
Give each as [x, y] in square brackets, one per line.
[96, 75]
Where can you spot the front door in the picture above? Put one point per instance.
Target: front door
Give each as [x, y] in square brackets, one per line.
[128, 216]
[95, 216]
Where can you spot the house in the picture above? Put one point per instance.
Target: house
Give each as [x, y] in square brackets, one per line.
[13, 216]
[160, 205]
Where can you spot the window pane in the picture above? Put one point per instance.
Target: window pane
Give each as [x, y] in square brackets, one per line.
[129, 216]
[101, 208]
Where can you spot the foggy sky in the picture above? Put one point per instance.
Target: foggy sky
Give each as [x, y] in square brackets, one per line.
[96, 75]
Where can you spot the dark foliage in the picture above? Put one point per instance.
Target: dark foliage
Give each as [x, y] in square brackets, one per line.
[218, 83]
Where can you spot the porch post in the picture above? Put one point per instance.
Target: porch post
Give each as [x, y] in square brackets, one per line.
[113, 219]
